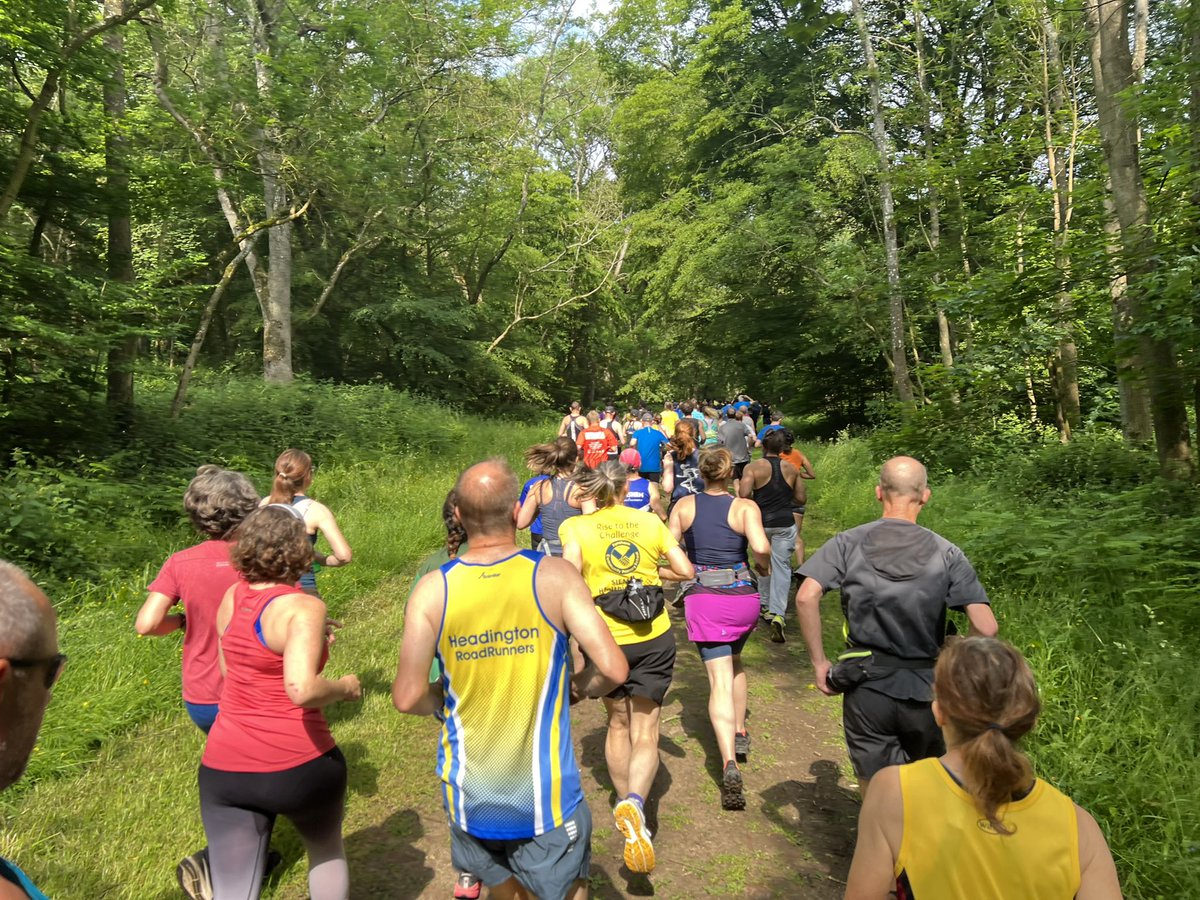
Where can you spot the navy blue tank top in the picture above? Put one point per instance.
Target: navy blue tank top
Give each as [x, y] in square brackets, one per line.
[639, 494]
[710, 541]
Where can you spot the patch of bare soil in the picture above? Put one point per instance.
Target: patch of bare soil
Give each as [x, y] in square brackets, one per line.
[794, 839]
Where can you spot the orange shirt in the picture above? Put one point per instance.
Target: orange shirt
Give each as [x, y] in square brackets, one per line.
[594, 443]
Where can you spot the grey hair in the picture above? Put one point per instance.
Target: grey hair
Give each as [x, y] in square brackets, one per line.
[603, 483]
[218, 499]
[21, 618]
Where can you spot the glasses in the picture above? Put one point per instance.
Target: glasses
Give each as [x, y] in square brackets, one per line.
[54, 666]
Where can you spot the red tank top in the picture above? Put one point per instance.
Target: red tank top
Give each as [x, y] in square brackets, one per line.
[258, 728]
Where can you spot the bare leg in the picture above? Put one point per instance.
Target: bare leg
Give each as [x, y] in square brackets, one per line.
[617, 744]
[642, 763]
[799, 517]
[739, 694]
[509, 890]
[721, 704]
[578, 891]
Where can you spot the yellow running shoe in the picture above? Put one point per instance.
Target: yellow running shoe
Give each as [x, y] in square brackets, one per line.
[639, 851]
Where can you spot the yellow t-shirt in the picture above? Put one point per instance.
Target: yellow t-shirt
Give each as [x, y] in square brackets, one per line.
[950, 851]
[669, 420]
[618, 544]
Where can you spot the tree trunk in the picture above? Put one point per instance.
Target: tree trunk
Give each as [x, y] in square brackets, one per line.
[121, 358]
[1136, 424]
[901, 382]
[1114, 75]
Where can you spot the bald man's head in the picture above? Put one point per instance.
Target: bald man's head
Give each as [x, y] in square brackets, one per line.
[487, 496]
[28, 647]
[903, 478]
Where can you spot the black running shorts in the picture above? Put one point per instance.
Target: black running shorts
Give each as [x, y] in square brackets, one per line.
[651, 667]
[882, 731]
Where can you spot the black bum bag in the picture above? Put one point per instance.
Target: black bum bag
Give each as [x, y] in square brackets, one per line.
[636, 602]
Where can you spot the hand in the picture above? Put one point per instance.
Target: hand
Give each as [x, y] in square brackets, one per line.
[351, 686]
[330, 626]
[762, 570]
[821, 674]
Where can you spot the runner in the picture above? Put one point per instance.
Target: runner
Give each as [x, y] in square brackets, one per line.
[540, 475]
[721, 606]
[510, 782]
[776, 488]
[572, 423]
[30, 665]
[710, 425]
[669, 417]
[270, 751]
[554, 500]
[642, 493]
[649, 442]
[293, 476]
[977, 823]
[610, 422]
[617, 549]
[800, 461]
[776, 425]
[595, 441]
[681, 465]
[735, 438]
[216, 502]
[897, 581]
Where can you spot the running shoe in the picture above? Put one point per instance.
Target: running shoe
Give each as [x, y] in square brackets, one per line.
[639, 851]
[467, 887]
[741, 746]
[732, 795]
[194, 876]
[777, 629]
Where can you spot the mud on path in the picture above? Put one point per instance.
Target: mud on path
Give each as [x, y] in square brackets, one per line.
[794, 839]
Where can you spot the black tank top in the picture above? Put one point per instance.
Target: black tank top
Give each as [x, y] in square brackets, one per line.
[710, 541]
[775, 497]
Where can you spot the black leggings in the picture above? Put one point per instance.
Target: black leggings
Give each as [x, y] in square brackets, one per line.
[239, 808]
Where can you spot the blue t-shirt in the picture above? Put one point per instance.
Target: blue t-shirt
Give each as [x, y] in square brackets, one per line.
[650, 442]
[727, 411]
[535, 528]
[742, 405]
[638, 496]
[766, 428]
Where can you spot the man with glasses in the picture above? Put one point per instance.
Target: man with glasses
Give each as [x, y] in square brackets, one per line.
[29, 666]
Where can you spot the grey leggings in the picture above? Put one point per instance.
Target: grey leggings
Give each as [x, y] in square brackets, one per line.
[239, 808]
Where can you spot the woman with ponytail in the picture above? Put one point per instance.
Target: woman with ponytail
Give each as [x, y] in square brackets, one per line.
[556, 499]
[620, 552]
[976, 822]
[293, 476]
[681, 462]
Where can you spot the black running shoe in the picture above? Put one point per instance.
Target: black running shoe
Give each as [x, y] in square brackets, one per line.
[741, 746]
[732, 795]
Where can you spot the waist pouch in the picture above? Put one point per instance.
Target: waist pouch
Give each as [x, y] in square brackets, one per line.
[858, 665]
[721, 577]
[636, 602]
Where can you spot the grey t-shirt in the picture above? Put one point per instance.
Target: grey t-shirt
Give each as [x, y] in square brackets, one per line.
[897, 580]
[732, 435]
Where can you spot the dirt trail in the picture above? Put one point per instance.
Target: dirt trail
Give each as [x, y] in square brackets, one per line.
[794, 839]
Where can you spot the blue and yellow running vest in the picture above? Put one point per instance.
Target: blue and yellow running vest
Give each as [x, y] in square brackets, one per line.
[506, 759]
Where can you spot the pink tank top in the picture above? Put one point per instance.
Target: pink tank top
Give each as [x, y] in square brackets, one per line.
[258, 728]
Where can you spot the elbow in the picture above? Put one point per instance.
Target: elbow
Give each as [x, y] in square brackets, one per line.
[687, 572]
[404, 699]
[301, 693]
[144, 627]
[344, 558]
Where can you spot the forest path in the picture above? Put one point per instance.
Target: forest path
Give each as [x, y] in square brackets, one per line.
[794, 838]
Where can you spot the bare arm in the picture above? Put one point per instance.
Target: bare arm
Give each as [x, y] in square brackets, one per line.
[328, 526]
[1098, 875]
[799, 489]
[412, 692]
[982, 620]
[303, 621]
[573, 553]
[224, 614]
[607, 665]
[656, 506]
[668, 474]
[880, 829]
[529, 509]
[562, 426]
[746, 484]
[808, 611]
[153, 617]
[756, 536]
[676, 523]
[806, 469]
[678, 568]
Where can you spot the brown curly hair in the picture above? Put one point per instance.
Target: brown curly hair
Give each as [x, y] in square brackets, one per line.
[271, 545]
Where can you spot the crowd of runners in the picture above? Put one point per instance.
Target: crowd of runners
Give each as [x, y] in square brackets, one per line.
[629, 516]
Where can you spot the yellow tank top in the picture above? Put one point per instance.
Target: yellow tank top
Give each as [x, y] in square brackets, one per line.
[505, 758]
[620, 543]
[949, 851]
